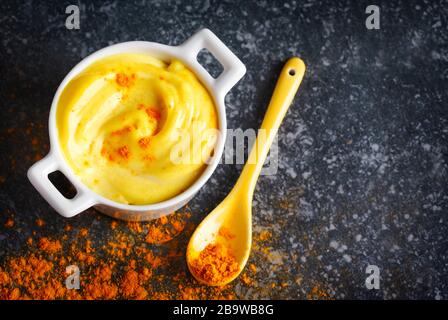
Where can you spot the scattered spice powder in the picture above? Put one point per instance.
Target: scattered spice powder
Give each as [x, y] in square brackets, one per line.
[154, 261]
[153, 113]
[264, 235]
[84, 256]
[196, 293]
[164, 229]
[49, 246]
[135, 226]
[9, 223]
[127, 265]
[131, 287]
[157, 235]
[144, 142]
[124, 80]
[178, 226]
[124, 152]
[83, 232]
[101, 287]
[252, 267]
[150, 111]
[106, 154]
[248, 281]
[163, 220]
[122, 131]
[317, 293]
[40, 222]
[40, 272]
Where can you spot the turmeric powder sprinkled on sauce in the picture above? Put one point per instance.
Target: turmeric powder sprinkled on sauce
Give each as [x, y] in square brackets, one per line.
[144, 142]
[124, 152]
[153, 113]
[124, 80]
[121, 131]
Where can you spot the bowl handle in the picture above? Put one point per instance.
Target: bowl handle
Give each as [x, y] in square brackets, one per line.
[38, 176]
[234, 69]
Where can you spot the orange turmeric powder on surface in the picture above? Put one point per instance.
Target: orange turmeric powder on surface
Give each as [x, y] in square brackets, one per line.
[131, 287]
[318, 293]
[9, 223]
[113, 225]
[124, 267]
[164, 229]
[129, 264]
[83, 232]
[157, 235]
[215, 264]
[40, 222]
[49, 246]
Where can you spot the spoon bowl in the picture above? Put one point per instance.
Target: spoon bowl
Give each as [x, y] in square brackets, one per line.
[229, 224]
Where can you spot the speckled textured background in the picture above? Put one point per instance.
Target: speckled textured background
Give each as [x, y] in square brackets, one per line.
[363, 170]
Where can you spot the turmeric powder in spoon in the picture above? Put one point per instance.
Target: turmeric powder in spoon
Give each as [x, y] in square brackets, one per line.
[216, 262]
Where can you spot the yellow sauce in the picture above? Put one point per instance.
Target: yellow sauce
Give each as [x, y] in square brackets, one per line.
[121, 120]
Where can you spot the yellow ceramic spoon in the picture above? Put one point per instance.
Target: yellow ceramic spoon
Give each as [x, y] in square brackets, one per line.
[230, 224]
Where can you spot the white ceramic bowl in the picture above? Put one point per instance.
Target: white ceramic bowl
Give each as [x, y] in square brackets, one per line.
[85, 198]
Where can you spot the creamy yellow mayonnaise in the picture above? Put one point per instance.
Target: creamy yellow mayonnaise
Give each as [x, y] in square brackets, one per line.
[121, 120]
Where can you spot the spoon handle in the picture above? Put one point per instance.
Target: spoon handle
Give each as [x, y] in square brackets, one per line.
[287, 85]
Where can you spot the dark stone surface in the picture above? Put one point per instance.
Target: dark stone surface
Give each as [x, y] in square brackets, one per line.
[363, 170]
